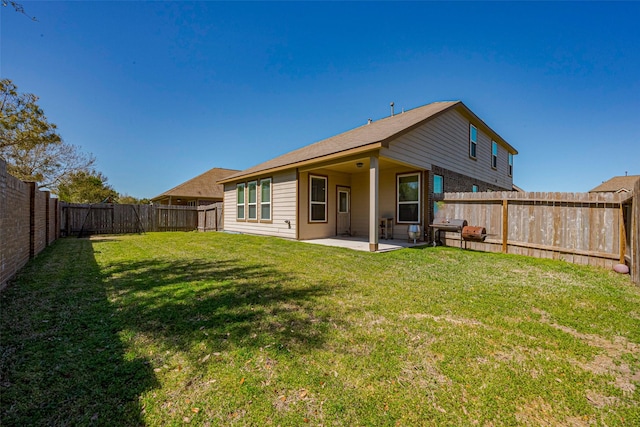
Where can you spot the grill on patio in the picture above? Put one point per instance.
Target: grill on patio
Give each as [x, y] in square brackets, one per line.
[447, 225]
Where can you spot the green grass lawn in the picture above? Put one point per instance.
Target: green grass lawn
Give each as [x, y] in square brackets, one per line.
[219, 329]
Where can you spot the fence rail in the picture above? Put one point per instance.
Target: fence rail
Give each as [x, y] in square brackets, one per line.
[583, 228]
[85, 219]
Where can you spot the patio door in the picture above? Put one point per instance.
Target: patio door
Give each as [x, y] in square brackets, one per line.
[344, 212]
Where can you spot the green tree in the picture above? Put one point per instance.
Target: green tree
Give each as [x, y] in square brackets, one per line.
[86, 187]
[31, 145]
[22, 122]
[125, 199]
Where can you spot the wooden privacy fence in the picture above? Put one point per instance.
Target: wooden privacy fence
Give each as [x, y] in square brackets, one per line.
[210, 217]
[633, 209]
[583, 228]
[107, 218]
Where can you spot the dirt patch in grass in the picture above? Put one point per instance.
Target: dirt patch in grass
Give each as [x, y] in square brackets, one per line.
[607, 363]
[207, 330]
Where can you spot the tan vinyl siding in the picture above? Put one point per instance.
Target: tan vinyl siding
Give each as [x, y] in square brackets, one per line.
[360, 204]
[387, 200]
[318, 230]
[283, 208]
[444, 141]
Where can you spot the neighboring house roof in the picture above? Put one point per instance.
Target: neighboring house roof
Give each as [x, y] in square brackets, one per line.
[516, 188]
[203, 186]
[617, 184]
[369, 136]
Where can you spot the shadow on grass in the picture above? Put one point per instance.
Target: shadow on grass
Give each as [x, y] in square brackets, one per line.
[61, 359]
[218, 304]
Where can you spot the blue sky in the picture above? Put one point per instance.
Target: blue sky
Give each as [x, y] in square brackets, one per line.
[160, 92]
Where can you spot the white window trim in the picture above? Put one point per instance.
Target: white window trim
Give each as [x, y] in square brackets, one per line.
[412, 202]
[249, 204]
[311, 202]
[243, 204]
[263, 203]
[473, 143]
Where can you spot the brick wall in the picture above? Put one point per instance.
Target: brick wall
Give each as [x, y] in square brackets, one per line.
[53, 229]
[29, 221]
[453, 182]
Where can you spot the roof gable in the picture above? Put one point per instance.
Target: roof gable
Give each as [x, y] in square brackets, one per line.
[376, 133]
[617, 184]
[202, 186]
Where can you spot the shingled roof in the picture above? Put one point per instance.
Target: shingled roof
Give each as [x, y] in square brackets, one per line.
[617, 184]
[203, 186]
[369, 136]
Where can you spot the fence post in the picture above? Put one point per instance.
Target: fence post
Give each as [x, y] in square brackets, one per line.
[204, 220]
[32, 219]
[623, 235]
[635, 235]
[47, 218]
[505, 225]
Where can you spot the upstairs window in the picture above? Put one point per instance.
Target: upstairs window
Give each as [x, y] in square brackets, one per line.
[510, 164]
[408, 203]
[494, 155]
[240, 201]
[252, 199]
[317, 199]
[473, 141]
[265, 199]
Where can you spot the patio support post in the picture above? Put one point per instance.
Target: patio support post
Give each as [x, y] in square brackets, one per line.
[374, 174]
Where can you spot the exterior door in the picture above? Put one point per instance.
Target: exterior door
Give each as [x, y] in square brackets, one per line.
[344, 212]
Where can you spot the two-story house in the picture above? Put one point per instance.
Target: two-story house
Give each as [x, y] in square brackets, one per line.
[392, 169]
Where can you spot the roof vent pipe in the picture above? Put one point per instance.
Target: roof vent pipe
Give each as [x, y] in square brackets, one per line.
[392, 109]
[369, 121]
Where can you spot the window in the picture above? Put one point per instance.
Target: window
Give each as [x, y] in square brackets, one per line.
[494, 154]
[438, 188]
[240, 201]
[265, 199]
[317, 199]
[252, 199]
[473, 141]
[191, 203]
[474, 188]
[510, 164]
[343, 202]
[438, 184]
[408, 198]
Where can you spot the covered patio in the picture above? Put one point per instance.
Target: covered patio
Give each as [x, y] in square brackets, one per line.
[362, 243]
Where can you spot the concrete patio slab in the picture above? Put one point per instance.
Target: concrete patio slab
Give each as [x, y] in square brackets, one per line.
[362, 243]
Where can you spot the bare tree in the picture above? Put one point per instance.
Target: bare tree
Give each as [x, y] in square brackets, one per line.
[48, 164]
[18, 8]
